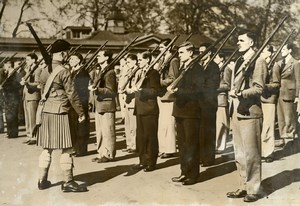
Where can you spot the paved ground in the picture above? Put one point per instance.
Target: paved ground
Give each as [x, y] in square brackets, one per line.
[114, 183]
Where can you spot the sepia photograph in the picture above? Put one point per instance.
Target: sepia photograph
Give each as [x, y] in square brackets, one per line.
[149, 102]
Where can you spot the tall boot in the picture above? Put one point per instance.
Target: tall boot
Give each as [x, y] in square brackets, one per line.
[70, 185]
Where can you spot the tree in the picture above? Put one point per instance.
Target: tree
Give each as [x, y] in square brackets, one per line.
[4, 3]
[26, 5]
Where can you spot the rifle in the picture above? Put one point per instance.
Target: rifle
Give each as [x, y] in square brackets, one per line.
[162, 67]
[142, 79]
[70, 53]
[229, 59]
[246, 67]
[88, 63]
[117, 58]
[273, 59]
[36, 65]
[43, 51]
[153, 50]
[221, 46]
[12, 73]
[7, 58]
[175, 83]
[87, 54]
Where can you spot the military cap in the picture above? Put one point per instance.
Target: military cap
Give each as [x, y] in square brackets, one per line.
[59, 46]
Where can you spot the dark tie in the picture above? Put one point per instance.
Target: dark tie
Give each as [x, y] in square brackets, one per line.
[238, 64]
[282, 64]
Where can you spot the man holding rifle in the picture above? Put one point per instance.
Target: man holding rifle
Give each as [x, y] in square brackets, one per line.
[186, 111]
[31, 95]
[10, 86]
[166, 128]
[247, 86]
[105, 91]
[209, 105]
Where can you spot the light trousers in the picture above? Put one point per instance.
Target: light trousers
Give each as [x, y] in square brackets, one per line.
[105, 134]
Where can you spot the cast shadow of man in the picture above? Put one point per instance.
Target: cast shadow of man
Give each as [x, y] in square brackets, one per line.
[280, 180]
[108, 173]
[292, 147]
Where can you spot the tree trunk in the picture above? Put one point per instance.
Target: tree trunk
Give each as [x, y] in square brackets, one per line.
[15, 31]
[4, 2]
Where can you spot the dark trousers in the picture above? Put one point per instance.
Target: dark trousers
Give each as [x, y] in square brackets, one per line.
[188, 142]
[146, 139]
[208, 134]
[80, 132]
[11, 110]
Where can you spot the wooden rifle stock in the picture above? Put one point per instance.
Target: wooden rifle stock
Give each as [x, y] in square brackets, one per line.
[12, 73]
[221, 46]
[273, 60]
[256, 55]
[142, 79]
[43, 51]
[120, 55]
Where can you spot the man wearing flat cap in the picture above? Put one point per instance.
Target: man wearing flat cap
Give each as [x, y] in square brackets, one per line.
[54, 131]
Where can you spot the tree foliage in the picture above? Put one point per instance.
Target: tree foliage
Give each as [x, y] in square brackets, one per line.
[209, 17]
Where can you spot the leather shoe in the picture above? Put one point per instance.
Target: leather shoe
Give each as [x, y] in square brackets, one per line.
[251, 198]
[207, 164]
[269, 159]
[181, 178]
[131, 150]
[189, 181]
[73, 187]
[237, 194]
[44, 184]
[165, 156]
[138, 167]
[26, 142]
[149, 169]
[95, 159]
[31, 142]
[103, 159]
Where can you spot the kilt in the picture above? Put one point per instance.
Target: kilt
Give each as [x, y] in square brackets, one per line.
[54, 132]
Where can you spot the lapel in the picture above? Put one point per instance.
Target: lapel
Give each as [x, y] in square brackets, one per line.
[288, 66]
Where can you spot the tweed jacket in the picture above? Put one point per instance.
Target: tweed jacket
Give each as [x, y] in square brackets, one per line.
[62, 94]
[249, 104]
[30, 90]
[289, 80]
[224, 88]
[106, 92]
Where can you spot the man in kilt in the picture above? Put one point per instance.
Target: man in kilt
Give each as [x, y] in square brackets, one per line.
[54, 132]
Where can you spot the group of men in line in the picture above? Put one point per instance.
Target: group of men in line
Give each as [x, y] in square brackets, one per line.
[159, 115]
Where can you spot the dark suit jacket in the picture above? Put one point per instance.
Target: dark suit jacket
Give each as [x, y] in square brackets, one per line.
[290, 80]
[146, 98]
[225, 84]
[106, 93]
[271, 90]
[211, 75]
[189, 93]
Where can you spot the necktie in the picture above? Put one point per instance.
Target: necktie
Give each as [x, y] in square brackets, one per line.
[238, 64]
[282, 64]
